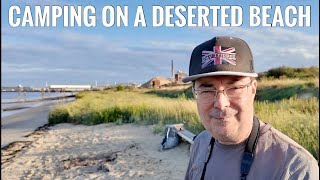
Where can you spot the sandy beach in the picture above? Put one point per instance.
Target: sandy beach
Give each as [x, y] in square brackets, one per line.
[104, 151]
[17, 124]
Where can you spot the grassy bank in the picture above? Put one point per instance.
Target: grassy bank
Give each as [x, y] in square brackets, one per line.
[294, 116]
[278, 89]
[127, 107]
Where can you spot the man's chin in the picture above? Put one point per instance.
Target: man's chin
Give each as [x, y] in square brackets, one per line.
[221, 133]
[221, 125]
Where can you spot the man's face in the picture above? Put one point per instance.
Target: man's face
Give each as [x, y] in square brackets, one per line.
[228, 119]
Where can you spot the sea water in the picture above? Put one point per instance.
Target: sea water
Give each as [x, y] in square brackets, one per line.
[26, 96]
[17, 102]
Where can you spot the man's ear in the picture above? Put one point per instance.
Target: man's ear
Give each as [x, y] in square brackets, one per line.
[254, 86]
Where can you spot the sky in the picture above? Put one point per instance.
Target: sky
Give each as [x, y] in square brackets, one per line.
[36, 56]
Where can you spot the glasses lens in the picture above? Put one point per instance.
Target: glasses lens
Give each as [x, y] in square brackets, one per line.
[206, 96]
[233, 92]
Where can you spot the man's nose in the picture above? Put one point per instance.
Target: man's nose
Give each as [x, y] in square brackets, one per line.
[221, 101]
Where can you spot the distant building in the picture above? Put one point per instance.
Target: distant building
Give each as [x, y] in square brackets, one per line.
[178, 77]
[9, 89]
[18, 88]
[65, 88]
[156, 82]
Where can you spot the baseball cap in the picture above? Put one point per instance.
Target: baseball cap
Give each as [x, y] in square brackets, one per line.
[221, 55]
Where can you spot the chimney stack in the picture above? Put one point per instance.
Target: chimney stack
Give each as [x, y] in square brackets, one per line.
[172, 71]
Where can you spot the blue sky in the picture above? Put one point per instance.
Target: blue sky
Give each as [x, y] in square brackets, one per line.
[32, 56]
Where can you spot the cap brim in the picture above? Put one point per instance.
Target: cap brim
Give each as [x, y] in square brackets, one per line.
[220, 73]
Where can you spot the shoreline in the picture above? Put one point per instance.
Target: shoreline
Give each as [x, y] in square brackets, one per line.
[12, 108]
[39, 100]
[16, 125]
[104, 151]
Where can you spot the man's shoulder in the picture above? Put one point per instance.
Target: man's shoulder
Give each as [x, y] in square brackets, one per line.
[292, 153]
[203, 138]
[285, 158]
[286, 142]
[300, 162]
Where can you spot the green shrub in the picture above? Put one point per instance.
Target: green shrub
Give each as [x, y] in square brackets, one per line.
[120, 88]
[58, 115]
[80, 95]
[289, 72]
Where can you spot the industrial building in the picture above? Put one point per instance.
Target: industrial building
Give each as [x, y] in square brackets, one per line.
[68, 88]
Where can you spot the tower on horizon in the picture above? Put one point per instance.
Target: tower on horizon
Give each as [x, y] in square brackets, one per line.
[172, 70]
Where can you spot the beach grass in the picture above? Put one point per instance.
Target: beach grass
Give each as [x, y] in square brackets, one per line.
[127, 107]
[284, 88]
[294, 116]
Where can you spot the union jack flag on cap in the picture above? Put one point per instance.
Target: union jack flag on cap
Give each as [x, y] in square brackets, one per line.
[219, 55]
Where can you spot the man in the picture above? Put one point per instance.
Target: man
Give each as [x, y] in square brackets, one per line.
[236, 144]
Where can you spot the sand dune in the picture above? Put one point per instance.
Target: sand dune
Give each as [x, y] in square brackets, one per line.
[103, 151]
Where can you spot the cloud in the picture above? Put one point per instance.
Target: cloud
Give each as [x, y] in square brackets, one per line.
[44, 54]
[273, 47]
[80, 56]
[77, 49]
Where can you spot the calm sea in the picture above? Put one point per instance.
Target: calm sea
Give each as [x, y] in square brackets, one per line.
[25, 96]
[23, 106]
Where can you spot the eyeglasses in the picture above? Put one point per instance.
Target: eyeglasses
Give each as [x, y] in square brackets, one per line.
[209, 95]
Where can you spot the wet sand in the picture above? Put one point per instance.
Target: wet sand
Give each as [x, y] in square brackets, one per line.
[17, 126]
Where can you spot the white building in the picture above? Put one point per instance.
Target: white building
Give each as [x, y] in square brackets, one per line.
[69, 87]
